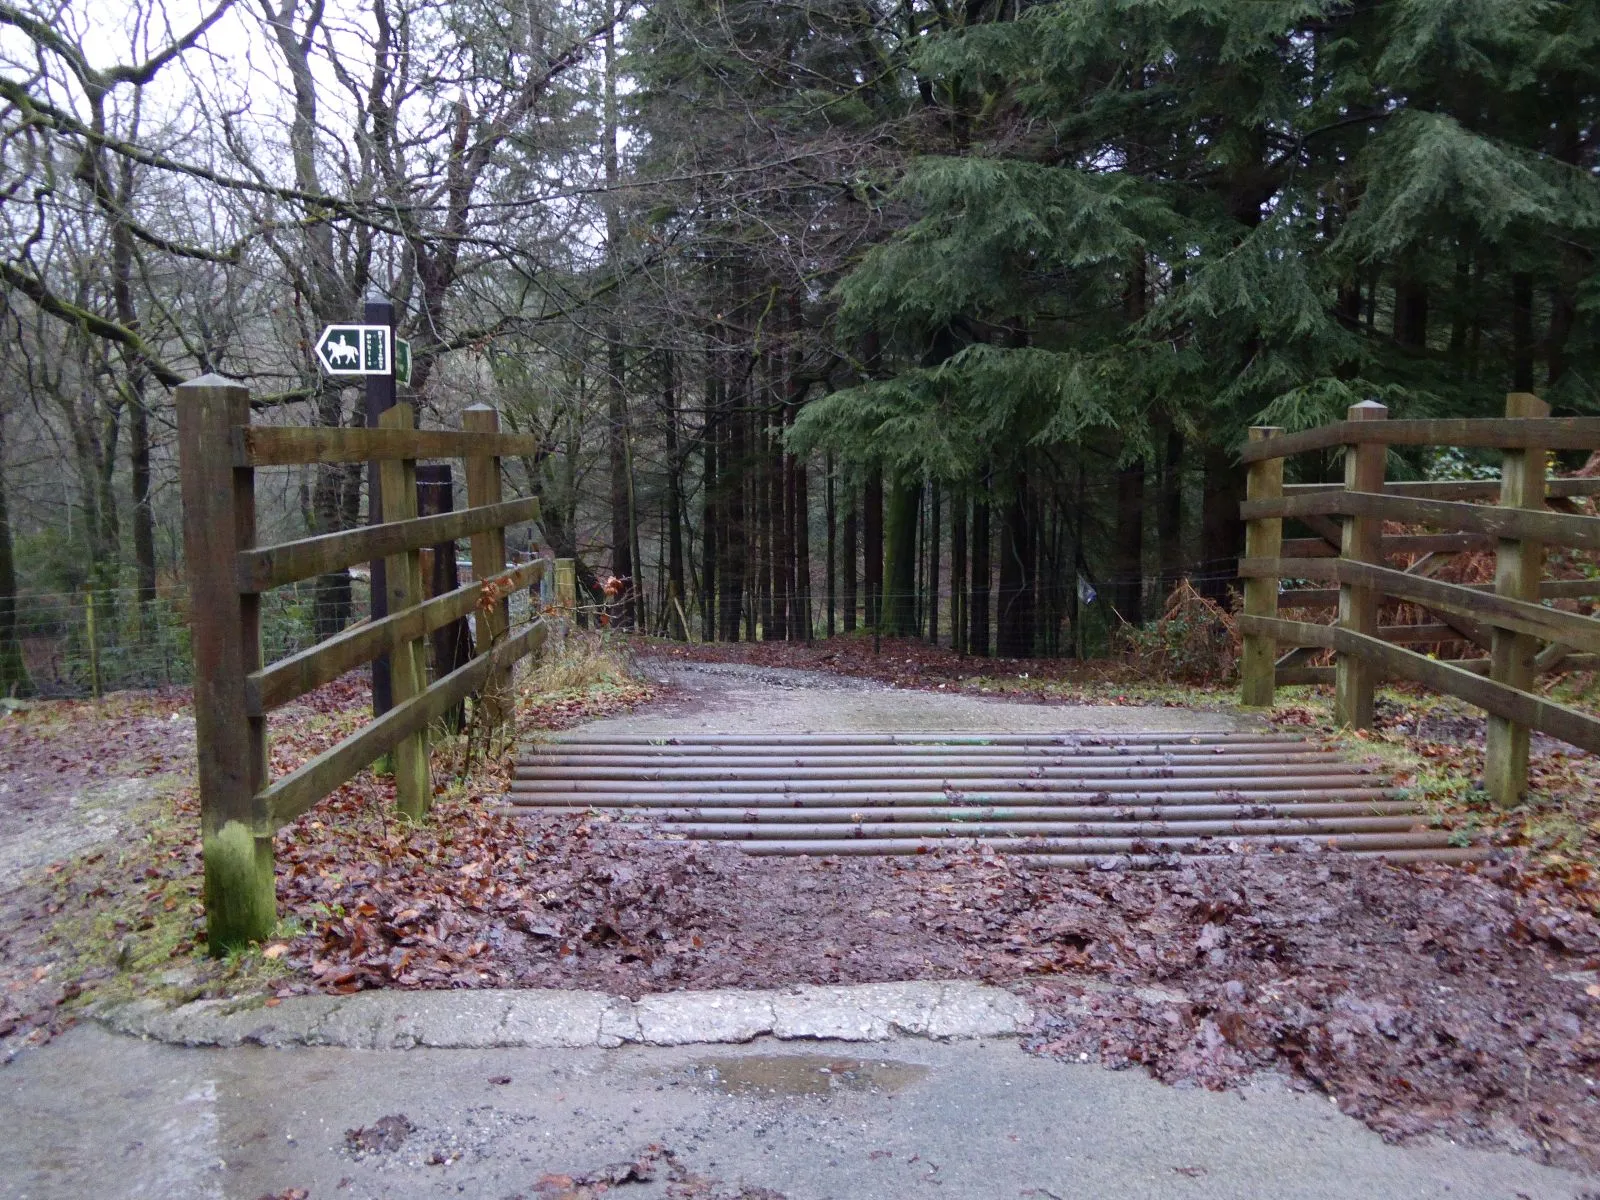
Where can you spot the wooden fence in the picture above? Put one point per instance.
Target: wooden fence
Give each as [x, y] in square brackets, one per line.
[1520, 636]
[240, 807]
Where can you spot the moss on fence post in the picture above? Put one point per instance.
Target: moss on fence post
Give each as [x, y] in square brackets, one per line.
[241, 902]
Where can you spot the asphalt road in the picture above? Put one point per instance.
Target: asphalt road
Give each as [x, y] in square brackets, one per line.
[99, 1115]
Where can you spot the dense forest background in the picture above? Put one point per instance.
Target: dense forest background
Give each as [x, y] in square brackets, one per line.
[934, 317]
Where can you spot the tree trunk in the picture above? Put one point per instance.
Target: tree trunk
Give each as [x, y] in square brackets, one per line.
[14, 680]
[1169, 528]
[331, 601]
[830, 569]
[1563, 317]
[872, 551]
[617, 450]
[765, 481]
[731, 569]
[1221, 531]
[710, 504]
[675, 572]
[978, 623]
[623, 565]
[1127, 582]
[1016, 577]
[641, 598]
[752, 502]
[958, 572]
[848, 561]
[116, 198]
[144, 525]
[1411, 312]
[1521, 332]
[900, 535]
[934, 547]
[800, 536]
[1075, 558]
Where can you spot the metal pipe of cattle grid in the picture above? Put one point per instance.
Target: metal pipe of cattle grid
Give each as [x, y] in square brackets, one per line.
[942, 772]
[1149, 861]
[802, 801]
[1155, 812]
[651, 762]
[563, 750]
[1351, 841]
[1063, 738]
[877, 831]
[980, 792]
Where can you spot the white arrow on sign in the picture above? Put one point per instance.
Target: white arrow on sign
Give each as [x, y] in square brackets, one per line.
[354, 350]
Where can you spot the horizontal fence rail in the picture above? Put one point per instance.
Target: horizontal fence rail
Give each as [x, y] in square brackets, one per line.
[282, 446]
[1521, 635]
[240, 808]
[1514, 433]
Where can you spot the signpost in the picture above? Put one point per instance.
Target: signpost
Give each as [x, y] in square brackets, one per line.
[379, 314]
[357, 350]
[372, 350]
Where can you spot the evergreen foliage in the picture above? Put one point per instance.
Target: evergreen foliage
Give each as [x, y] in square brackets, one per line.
[1130, 216]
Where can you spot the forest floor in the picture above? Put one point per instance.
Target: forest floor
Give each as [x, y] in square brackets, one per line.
[1426, 1000]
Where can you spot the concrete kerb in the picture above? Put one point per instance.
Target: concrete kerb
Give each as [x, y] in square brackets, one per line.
[558, 1019]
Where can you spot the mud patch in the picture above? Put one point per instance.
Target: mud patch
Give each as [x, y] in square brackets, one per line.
[787, 1075]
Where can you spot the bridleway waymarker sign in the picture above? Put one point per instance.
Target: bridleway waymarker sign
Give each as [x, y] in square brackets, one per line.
[355, 350]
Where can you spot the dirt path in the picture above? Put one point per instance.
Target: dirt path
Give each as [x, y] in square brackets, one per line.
[735, 698]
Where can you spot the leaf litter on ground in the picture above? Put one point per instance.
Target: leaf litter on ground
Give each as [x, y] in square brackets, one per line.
[1424, 1000]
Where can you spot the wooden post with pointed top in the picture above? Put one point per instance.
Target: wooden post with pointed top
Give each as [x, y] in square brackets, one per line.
[1362, 542]
[219, 520]
[1263, 538]
[1518, 569]
[488, 555]
[408, 671]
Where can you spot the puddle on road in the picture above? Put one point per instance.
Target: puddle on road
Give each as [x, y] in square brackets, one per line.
[798, 1075]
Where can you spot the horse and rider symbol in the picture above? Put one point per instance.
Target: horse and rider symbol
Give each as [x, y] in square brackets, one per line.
[355, 350]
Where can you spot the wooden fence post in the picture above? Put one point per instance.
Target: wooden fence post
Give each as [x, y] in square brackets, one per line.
[1362, 541]
[488, 553]
[1518, 568]
[1262, 539]
[219, 520]
[408, 670]
[93, 636]
[567, 587]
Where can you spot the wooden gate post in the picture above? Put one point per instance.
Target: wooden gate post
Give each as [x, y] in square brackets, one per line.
[1263, 538]
[408, 669]
[488, 553]
[1518, 568]
[1362, 542]
[567, 587]
[219, 520]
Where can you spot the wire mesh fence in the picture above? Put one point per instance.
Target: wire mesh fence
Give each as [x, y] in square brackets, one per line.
[75, 644]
